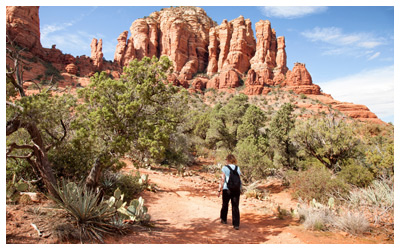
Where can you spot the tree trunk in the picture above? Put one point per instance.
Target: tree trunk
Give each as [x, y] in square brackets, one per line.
[92, 181]
[41, 161]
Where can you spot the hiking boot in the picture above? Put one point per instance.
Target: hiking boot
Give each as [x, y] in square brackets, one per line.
[223, 221]
[236, 227]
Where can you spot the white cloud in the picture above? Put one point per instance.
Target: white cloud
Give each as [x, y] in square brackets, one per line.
[334, 41]
[52, 28]
[373, 88]
[374, 56]
[74, 44]
[292, 11]
[335, 36]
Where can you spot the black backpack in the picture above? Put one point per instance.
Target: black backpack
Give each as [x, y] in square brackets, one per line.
[234, 181]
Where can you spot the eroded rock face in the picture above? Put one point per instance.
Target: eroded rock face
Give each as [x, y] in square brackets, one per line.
[179, 33]
[232, 45]
[298, 76]
[269, 61]
[23, 26]
[97, 53]
[265, 55]
[121, 47]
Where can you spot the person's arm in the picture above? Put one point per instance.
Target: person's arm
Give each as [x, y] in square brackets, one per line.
[221, 184]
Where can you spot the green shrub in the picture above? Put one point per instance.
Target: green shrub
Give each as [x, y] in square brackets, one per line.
[317, 183]
[253, 160]
[356, 175]
[129, 184]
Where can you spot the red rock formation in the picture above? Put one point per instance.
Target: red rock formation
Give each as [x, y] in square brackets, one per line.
[23, 27]
[229, 79]
[199, 83]
[298, 76]
[97, 53]
[213, 52]
[71, 69]
[236, 45]
[121, 47]
[179, 33]
[281, 57]
[299, 81]
[242, 46]
[265, 55]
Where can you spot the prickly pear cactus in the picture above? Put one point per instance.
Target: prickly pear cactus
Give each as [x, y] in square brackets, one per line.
[331, 203]
[136, 211]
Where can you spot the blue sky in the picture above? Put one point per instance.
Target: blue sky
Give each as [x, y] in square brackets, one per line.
[349, 51]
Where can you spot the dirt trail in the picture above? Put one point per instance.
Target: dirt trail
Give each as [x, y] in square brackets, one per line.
[186, 210]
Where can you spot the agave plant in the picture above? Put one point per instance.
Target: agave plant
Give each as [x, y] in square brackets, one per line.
[93, 217]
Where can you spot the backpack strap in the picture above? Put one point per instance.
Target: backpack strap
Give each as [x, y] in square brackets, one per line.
[231, 168]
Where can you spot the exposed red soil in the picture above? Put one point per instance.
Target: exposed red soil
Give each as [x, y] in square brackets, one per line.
[186, 210]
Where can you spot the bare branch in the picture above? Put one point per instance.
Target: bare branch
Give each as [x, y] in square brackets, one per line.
[55, 138]
[20, 156]
[14, 105]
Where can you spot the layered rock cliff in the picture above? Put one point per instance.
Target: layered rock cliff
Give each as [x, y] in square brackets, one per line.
[205, 55]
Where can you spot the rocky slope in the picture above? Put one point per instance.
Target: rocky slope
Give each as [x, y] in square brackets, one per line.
[205, 55]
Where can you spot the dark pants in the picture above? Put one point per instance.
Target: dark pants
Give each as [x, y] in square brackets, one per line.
[226, 197]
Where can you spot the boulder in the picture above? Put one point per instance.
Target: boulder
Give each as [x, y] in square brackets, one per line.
[71, 69]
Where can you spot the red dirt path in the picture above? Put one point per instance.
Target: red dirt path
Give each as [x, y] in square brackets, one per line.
[186, 210]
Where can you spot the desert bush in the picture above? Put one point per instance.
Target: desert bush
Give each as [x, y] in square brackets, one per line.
[129, 184]
[379, 194]
[316, 219]
[356, 175]
[354, 223]
[317, 183]
[252, 191]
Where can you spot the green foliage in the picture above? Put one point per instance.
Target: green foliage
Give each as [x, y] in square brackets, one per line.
[329, 140]
[356, 175]
[251, 122]
[253, 158]
[137, 111]
[136, 211]
[93, 218]
[317, 183]
[51, 71]
[14, 188]
[280, 127]
[129, 184]
[381, 160]
[224, 122]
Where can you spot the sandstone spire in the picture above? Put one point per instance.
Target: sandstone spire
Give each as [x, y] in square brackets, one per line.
[97, 53]
[121, 47]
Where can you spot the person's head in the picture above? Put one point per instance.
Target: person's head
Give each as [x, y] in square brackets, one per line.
[230, 159]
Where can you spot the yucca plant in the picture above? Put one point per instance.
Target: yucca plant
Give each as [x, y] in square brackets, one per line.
[92, 216]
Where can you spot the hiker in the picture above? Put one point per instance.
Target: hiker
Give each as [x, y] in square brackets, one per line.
[232, 193]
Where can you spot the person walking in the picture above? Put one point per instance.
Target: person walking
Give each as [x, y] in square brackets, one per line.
[230, 194]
